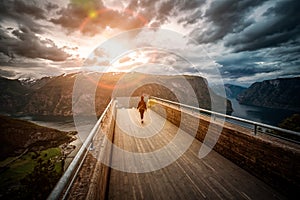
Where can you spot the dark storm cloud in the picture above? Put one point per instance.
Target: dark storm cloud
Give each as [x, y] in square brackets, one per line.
[171, 8]
[189, 12]
[22, 42]
[32, 10]
[281, 25]
[148, 10]
[164, 11]
[245, 71]
[25, 65]
[71, 17]
[224, 17]
[265, 46]
[188, 5]
[51, 6]
[3, 33]
[20, 8]
[191, 18]
[254, 43]
[160, 12]
[26, 44]
[237, 65]
[7, 73]
[229, 20]
[22, 14]
[74, 15]
[235, 60]
[287, 53]
[275, 61]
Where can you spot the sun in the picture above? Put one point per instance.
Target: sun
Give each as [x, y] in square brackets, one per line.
[93, 14]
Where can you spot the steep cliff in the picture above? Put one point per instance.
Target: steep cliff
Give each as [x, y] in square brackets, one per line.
[53, 98]
[13, 95]
[233, 91]
[277, 93]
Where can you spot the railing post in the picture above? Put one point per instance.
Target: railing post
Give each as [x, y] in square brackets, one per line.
[92, 146]
[255, 129]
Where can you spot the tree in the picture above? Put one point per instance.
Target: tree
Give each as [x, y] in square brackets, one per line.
[291, 123]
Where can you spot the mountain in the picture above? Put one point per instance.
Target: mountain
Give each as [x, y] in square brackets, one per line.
[232, 91]
[53, 96]
[277, 93]
[18, 135]
[13, 95]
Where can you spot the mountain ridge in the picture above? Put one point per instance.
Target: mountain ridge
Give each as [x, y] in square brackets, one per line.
[275, 93]
[53, 95]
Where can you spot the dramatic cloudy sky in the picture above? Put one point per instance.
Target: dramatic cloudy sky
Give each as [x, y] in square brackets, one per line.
[248, 40]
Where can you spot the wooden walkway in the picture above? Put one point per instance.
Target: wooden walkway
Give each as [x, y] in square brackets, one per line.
[213, 177]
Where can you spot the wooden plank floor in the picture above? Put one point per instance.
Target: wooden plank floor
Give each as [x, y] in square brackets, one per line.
[189, 177]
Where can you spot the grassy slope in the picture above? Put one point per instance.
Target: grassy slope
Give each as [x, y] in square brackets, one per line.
[17, 136]
[25, 165]
[11, 176]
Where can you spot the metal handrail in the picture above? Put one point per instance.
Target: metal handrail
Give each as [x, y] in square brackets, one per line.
[255, 124]
[70, 174]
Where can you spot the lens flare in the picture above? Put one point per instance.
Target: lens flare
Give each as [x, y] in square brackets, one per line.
[93, 14]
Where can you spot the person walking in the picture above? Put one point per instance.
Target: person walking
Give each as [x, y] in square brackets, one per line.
[142, 107]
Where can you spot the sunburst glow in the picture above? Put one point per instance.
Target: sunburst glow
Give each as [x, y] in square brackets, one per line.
[93, 14]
